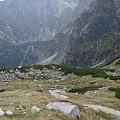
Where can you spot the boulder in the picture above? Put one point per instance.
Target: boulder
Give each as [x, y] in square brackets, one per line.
[8, 112]
[35, 109]
[66, 108]
[55, 93]
[117, 71]
[1, 112]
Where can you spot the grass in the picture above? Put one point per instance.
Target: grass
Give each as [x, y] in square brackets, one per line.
[117, 91]
[35, 93]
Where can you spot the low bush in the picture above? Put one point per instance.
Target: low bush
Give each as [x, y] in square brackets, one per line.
[84, 89]
[2, 90]
[117, 91]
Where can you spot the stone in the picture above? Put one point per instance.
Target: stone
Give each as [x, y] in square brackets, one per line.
[1, 112]
[19, 67]
[113, 112]
[20, 75]
[35, 109]
[55, 93]
[8, 112]
[117, 71]
[66, 108]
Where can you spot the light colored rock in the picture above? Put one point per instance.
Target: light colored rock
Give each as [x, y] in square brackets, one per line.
[87, 94]
[19, 66]
[8, 112]
[66, 108]
[1, 112]
[113, 112]
[35, 109]
[117, 71]
[55, 93]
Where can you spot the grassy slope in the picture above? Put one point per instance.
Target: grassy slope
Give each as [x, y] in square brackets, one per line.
[29, 93]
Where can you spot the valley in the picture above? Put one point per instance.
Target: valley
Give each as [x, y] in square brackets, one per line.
[60, 60]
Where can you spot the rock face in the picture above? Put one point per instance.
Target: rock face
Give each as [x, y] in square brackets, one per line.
[94, 37]
[66, 108]
[33, 52]
[25, 21]
[28, 20]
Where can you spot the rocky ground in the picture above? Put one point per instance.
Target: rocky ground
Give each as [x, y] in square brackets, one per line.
[50, 94]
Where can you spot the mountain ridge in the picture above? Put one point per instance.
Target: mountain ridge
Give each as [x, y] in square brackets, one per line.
[102, 22]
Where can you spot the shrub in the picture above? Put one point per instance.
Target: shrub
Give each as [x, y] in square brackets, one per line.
[2, 90]
[84, 89]
[117, 91]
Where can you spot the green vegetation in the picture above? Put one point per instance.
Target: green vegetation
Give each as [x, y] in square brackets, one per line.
[84, 89]
[117, 62]
[2, 90]
[117, 91]
[95, 72]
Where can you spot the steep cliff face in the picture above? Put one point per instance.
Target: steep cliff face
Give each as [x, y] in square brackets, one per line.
[99, 28]
[31, 20]
[93, 38]
[33, 52]
[24, 21]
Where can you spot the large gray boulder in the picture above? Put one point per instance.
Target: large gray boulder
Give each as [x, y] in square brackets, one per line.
[66, 108]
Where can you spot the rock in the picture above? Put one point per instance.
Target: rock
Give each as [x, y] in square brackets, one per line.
[22, 107]
[20, 75]
[55, 93]
[35, 109]
[98, 21]
[87, 94]
[8, 112]
[35, 80]
[117, 71]
[113, 112]
[19, 67]
[66, 108]
[1, 112]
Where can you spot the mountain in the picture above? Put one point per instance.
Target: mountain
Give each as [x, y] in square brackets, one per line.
[94, 38]
[84, 34]
[32, 20]
[31, 31]
[33, 52]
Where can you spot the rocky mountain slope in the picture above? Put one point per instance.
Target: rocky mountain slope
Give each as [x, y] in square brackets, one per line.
[91, 40]
[32, 20]
[94, 37]
[33, 52]
[25, 21]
